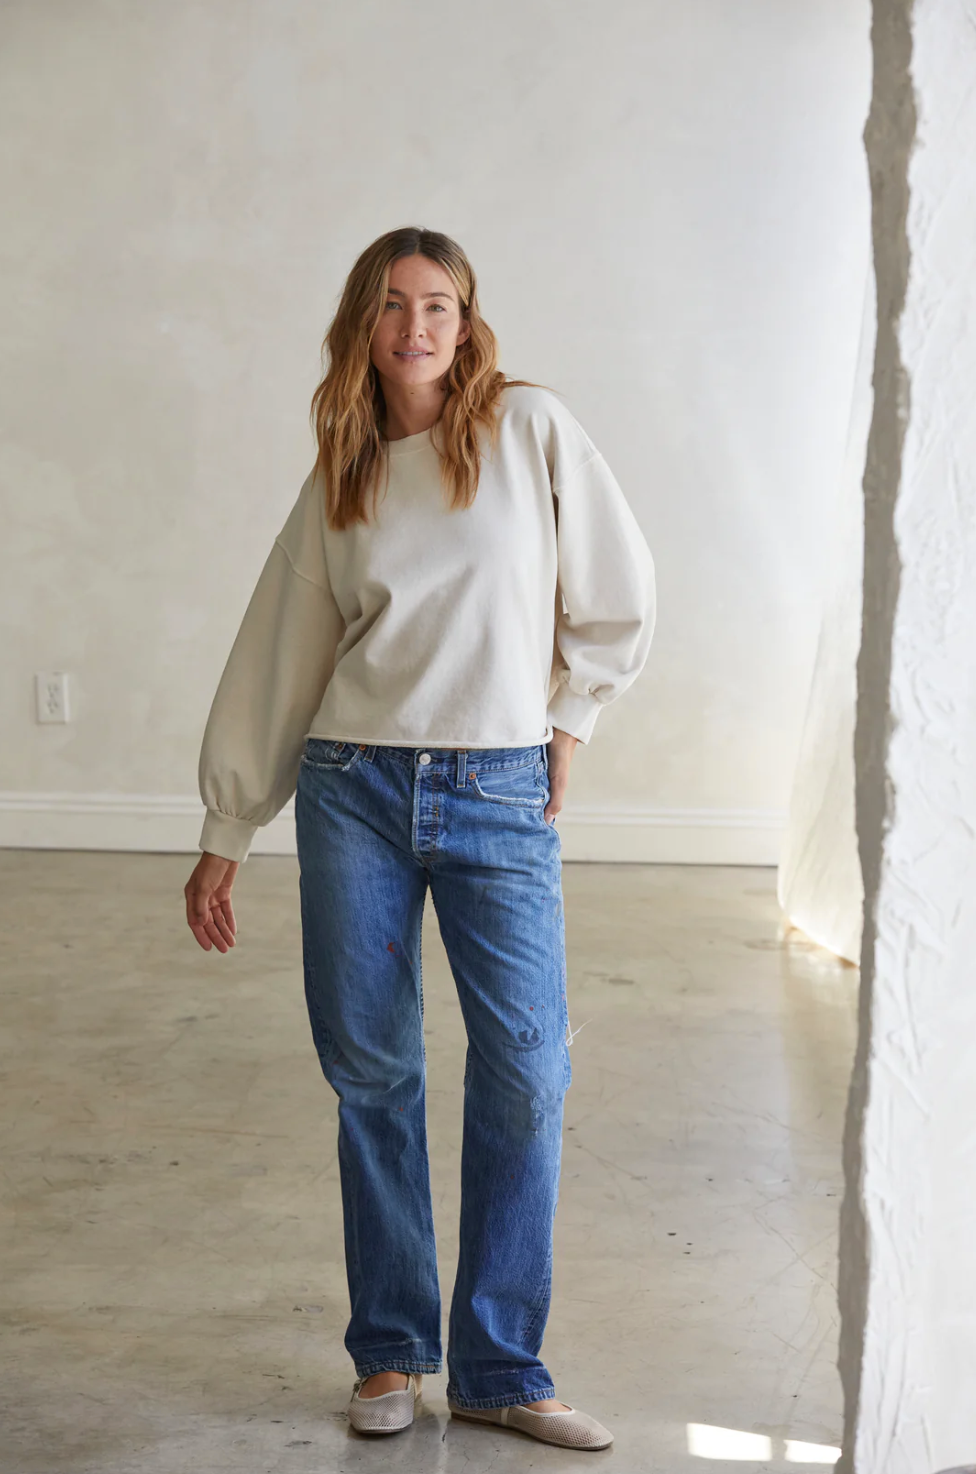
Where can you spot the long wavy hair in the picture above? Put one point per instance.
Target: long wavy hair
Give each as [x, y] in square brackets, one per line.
[348, 410]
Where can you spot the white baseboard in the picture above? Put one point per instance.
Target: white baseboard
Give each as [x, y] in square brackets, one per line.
[156, 823]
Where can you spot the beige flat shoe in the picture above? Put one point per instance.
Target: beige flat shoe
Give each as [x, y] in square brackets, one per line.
[570, 1429]
[389, 1413]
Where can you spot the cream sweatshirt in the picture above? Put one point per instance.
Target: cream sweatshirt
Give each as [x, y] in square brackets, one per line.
[484, 627]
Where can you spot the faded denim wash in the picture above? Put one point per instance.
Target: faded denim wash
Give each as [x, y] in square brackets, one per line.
[376, 826]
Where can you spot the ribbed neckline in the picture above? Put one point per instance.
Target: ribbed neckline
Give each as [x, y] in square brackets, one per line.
[408, 443]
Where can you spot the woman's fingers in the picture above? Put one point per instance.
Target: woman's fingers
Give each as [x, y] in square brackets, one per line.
[209, 936]
[216, 936]
[197, 913]
[207, 922]
[557, 787]
[227, 910]
[221, 924]
[200, 932]
[561, 750]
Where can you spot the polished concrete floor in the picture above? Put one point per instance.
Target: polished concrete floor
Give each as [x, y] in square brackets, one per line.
[173, 1294]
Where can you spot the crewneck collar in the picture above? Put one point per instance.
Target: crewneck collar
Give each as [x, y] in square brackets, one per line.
[408, 444]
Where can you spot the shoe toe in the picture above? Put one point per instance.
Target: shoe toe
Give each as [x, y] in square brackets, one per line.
[387, 1414]
[567, 1430]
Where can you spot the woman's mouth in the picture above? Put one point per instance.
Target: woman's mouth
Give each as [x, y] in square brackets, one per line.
[413, 353]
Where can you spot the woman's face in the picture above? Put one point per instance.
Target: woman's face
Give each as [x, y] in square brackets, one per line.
[420, 325]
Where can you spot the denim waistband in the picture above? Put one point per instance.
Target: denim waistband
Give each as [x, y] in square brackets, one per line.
[450, 759]
[444, 759]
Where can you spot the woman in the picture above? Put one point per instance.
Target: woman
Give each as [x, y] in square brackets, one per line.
[418, 668]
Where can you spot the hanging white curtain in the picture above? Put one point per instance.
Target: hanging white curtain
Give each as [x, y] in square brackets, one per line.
[819, 881]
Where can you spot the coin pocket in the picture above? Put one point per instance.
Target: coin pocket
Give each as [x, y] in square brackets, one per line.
[522, 787]
[320, 752]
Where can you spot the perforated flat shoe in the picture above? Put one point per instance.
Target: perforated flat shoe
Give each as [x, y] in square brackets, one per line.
[569, 1429]
[391, 1412]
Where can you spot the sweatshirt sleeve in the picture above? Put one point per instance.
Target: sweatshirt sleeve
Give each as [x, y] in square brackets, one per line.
[272, 685]
[606, 576]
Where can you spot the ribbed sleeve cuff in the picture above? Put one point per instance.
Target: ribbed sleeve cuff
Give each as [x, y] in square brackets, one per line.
[230, 838]
[573, 713]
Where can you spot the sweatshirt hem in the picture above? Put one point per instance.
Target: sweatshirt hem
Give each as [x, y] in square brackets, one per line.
[422, 743]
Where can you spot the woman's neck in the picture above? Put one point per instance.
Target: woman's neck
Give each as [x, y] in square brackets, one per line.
[410, 411]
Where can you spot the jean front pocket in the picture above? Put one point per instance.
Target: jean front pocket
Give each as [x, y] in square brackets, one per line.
[322, 752]
[522, 787]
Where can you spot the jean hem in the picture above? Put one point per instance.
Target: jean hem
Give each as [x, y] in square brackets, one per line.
[512, 1399]
[404, 1364]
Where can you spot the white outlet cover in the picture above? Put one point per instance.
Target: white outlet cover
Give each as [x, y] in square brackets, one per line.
[51, 696]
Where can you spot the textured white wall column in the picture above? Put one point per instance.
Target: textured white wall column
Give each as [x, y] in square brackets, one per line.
[908, 1248]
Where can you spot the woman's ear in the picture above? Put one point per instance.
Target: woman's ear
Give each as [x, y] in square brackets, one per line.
[464, 331]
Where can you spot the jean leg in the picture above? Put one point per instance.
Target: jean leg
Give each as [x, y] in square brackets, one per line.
[503, 930]
[362, 900]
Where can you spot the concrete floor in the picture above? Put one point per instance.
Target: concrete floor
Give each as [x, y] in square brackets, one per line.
[172, 1281]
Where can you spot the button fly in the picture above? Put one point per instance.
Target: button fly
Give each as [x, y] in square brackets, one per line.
[425, 758]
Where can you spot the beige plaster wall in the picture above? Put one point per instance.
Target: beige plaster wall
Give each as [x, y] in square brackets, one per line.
[668, 212]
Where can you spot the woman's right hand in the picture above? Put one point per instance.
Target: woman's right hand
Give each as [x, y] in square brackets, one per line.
[209, 913]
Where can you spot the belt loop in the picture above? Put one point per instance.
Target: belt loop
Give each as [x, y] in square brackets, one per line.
[462, 768]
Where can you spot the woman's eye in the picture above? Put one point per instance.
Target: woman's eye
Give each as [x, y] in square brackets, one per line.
[432, 306]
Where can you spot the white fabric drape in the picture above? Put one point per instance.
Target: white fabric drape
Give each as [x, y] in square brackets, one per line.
[819, 881]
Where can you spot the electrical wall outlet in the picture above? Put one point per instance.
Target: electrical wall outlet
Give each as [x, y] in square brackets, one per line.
[51, 692]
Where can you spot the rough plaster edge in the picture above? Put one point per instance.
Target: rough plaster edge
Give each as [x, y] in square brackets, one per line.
[165, 823]
[889, 139]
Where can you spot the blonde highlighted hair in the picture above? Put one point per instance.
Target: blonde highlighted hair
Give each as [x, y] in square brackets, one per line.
[348, 409]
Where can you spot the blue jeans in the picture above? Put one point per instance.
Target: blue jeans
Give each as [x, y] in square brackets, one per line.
[376, 826]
